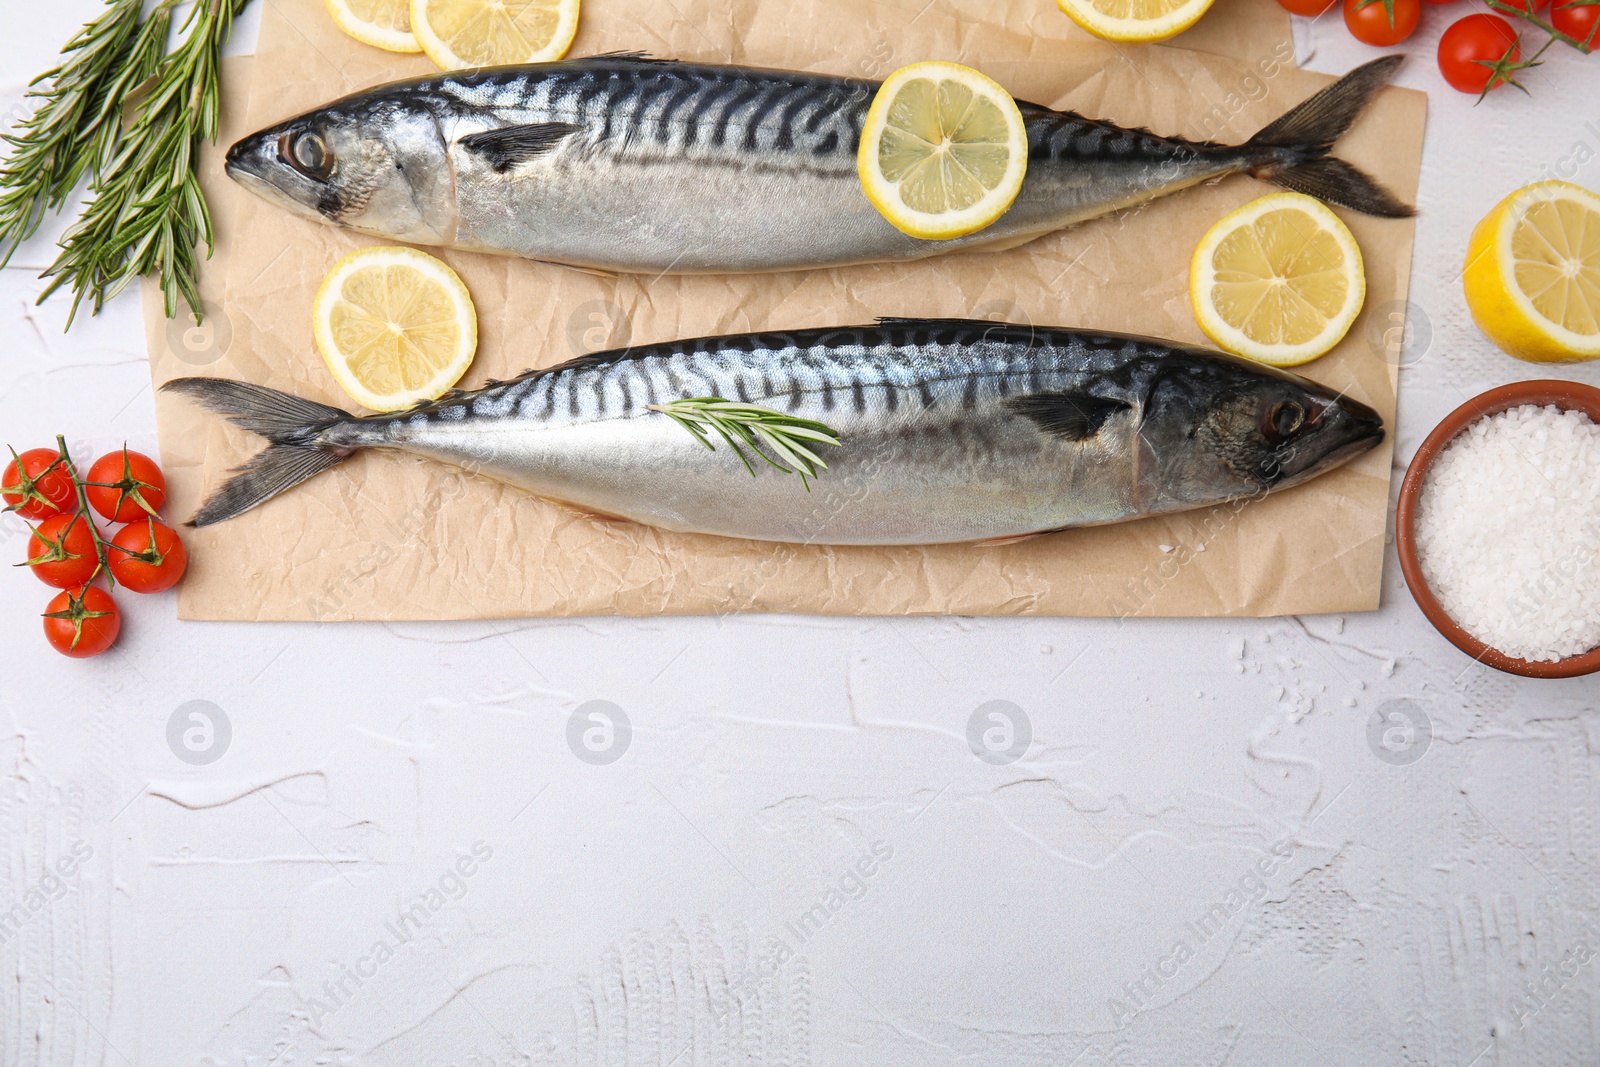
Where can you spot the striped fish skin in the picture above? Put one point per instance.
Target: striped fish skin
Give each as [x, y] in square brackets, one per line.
[951, 431]
[621, 163]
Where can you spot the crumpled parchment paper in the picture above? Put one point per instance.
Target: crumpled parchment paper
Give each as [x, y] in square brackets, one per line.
[393, 537]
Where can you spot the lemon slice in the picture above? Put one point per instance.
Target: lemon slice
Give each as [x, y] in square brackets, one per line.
[943, 152]
[488, 33]
[1279, 280]
[1135, 20]
[383, 24]
[1533, 273]
[395, 325]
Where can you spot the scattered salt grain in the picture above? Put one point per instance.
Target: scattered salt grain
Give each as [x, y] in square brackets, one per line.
[1508, 532]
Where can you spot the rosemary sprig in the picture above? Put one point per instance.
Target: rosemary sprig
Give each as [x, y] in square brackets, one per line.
[79, 119]
[147, 214]
[788, 437]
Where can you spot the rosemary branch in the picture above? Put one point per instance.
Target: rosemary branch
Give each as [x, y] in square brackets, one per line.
[788, 437]
[146, 214]
[79, 119]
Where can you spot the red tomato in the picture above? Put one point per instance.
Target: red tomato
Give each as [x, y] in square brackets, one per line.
[1577, 19]
[82, 622]
[1522, 5]
[37, 484]
[152, 557]
[126, 485]
[1369, 21]
[1308, 8]
[61, 551]
[1471, 42]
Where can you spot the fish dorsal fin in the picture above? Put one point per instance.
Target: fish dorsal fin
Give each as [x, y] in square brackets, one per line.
[630, 56]
[508, 146]
[896, 320]
[1074, 416]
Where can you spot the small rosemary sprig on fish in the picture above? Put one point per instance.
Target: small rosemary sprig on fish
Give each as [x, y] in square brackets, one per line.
[787, 436]
[146, 213]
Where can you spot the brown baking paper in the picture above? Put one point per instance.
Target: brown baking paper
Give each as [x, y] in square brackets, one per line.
[1243, 29]
[388, 536]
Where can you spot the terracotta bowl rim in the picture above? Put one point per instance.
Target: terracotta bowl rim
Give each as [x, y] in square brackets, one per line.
[1567, 395]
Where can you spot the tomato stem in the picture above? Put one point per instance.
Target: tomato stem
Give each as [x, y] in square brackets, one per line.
[101, 548]
[1504, 69]
[1505, 8]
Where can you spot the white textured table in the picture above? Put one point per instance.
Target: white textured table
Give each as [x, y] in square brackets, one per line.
[1203, 858]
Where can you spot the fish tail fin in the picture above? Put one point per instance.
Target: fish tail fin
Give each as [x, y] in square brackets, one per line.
[295, 430]
[1304, 137]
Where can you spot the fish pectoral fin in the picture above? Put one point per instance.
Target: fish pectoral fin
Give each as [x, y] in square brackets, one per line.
[1074, 416]
[508, 146]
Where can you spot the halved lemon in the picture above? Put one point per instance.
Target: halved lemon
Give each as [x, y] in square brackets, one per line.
[1280, 280]
[458, 34]
[395, 325]
[1135, 20]
[1533, 273]
[943, 152]
[383, 24]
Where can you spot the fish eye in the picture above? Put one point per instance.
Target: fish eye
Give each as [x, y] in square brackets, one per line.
[308, 153]
[1283, 421]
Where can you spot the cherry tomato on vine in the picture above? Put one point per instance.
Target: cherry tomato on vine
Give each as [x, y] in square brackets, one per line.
[82, 622]
[1522, 6]
[126, 485]
[1369, 21]
[148, 557]
[61, 551]
[1470, 49]
[1577, 20]
[1308, 8]
[36, 484]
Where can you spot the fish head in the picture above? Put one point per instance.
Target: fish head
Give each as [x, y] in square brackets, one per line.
[1217, 427]
[374, 164]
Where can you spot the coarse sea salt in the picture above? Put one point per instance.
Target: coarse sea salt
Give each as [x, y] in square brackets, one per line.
[1508, 532]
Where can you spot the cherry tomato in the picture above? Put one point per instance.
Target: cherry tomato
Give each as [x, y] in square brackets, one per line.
[1522, 5]
[1471, 42]
[1576, 19]
[148, 557]
[61, 551]
[1369, 21]
[36, 484]
[82, 622]
[126, 485]
[1308, 8]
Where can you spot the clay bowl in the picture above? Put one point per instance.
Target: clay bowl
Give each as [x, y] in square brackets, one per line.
[1569, 396]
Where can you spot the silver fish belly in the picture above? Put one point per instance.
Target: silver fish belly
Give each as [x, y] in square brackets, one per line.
[626, 164]
[949, 431]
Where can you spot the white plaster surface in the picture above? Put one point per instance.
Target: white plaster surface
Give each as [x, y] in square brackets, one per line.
[1028, 913]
